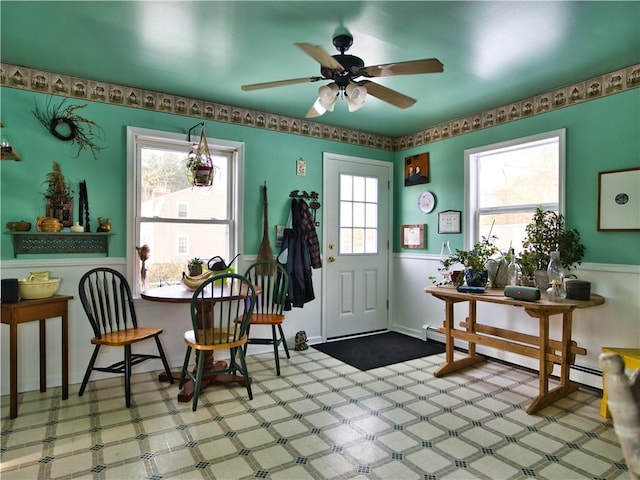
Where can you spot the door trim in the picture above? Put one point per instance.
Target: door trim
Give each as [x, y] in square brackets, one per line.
[367, 161]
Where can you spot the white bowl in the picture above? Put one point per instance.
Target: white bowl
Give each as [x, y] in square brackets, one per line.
[34, 289]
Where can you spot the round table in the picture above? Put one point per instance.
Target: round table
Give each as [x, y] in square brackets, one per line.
[180, 294]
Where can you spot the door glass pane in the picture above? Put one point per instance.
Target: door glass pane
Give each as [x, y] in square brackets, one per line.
[358, 240]
[372, 190]
[371, 241]
[346, 214]
[346, 187]
[358, 214]
[358, 188]
[346, 241]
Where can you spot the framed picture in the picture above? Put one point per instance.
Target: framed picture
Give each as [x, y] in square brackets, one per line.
[416, 169]
[449, 221]
[619, 200]
[412, 236]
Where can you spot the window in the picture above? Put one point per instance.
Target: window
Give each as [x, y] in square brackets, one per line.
[182, 210]
[183, 245]
[505, 182]
[177, 221]
[358, 214]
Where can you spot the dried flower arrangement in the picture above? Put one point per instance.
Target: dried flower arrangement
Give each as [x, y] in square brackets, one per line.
[59, 200]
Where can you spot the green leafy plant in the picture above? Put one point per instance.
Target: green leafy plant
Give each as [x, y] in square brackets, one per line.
[547, 233]
[195, 261]
[474, 259]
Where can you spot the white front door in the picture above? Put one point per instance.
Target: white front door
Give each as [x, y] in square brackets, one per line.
[356, 244]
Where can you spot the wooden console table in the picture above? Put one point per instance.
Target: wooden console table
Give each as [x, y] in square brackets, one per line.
[13, 314]
[547, 351]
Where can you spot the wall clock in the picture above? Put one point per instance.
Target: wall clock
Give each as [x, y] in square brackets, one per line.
[426, 202]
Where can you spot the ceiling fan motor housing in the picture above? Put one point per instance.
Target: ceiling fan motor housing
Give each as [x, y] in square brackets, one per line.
[352, 66]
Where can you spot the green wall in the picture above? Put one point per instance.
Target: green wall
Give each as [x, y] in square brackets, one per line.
[269, 156]
[602, 135]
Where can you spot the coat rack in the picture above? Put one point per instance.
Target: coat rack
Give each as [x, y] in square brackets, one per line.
[313, 204]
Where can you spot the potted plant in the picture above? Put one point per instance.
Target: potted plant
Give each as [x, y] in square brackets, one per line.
[199, 165]
[474, 261]
[547, 233]
[195, 267]
[59, 202]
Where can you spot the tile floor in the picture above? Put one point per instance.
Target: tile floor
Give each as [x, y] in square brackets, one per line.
[322, 419]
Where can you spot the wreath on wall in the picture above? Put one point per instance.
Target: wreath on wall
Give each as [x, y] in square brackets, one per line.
[64, 123]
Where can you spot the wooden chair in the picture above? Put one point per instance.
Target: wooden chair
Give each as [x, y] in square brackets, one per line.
[106, 298]
[216, 307]
[273, 279]
[624, 405]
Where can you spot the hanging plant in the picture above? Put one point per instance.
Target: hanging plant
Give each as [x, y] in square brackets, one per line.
[199, 166]
[65, 124]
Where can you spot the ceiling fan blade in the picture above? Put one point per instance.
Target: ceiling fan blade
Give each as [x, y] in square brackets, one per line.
[320, 55]
[428, 65]
[280, 83]
[385, 94]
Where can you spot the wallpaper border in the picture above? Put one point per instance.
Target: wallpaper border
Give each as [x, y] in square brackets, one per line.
[24, 78]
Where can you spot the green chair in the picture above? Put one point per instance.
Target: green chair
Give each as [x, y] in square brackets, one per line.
[272, 278]
[220, 311]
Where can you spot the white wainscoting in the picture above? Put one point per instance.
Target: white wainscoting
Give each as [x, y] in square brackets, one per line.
[616, 323]
[174, 319]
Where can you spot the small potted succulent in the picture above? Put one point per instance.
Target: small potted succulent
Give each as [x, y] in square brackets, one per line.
[195, 267]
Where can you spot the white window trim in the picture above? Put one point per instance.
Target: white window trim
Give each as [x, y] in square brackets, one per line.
[237, 181]
[471, 218]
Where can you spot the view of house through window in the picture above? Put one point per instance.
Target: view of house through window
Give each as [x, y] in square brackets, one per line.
[177, 221]
[507, 181]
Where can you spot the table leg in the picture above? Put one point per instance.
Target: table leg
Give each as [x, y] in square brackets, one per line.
[472, 359]
[545, 396]
[65, 356]
[43, 355]
[13, 370]
[210, 365]
[567, 320]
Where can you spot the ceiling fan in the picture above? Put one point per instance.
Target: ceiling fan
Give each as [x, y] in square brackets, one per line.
[345, 72]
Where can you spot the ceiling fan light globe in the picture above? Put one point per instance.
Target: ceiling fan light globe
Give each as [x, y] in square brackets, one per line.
[355, 96]
[327, 96]
[316, 110]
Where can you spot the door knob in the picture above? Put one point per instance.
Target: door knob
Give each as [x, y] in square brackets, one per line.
[331, 259]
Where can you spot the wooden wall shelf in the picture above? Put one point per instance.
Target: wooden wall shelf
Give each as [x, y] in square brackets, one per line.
[60, 242]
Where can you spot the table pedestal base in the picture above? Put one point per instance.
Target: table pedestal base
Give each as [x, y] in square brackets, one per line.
[186, 393]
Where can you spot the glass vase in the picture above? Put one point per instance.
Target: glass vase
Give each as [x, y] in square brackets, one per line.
[555, 271]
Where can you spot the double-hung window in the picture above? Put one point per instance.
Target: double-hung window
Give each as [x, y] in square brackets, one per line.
[177, 221]
[506, 182]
